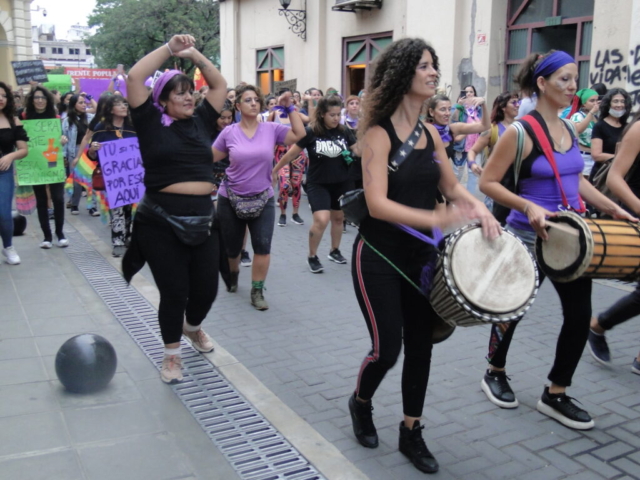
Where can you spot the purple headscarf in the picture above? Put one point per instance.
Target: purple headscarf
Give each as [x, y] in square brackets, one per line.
[157, 90]
[551, 63]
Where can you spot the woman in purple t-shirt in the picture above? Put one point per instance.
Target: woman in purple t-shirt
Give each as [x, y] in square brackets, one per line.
[249, 145]
[553, 78]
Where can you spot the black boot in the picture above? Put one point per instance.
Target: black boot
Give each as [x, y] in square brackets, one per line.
[412, 445]
[233, 282]
[362, 419]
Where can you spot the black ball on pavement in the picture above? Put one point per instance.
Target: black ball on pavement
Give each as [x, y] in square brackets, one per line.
[86, 363]
[19, 223]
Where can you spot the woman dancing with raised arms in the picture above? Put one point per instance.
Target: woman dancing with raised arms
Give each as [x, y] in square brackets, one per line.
[553, 78]
[175, 144]
[405, 75]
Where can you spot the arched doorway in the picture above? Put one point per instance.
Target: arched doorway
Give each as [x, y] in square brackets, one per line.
[540, 25]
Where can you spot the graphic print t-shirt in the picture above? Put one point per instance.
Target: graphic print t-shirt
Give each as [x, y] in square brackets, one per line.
[326, 162]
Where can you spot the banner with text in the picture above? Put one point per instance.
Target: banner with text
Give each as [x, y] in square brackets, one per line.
[44, 164]
[123, 171]
[102, 73]
[29, 71]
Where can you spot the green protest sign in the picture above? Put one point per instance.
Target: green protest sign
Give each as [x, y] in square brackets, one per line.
[44, 164]
[62, 83]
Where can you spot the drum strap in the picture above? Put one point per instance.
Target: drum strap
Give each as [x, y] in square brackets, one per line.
[544, 143]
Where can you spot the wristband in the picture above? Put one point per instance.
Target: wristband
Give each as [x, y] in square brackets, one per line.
[471, 163]
[169, 48]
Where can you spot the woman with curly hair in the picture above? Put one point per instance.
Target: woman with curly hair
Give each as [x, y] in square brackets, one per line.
[329, 146]
[405, 75]
[13, 146]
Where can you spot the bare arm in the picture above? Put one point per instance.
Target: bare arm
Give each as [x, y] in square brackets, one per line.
[218, 155]
[288, 157]
[217, 93]
[589, 117]
[596, 151]
[85, 141]
[481, 143]
[137, 93]
[297, 131]
[593, 196]
[627, 153]
[460, 128]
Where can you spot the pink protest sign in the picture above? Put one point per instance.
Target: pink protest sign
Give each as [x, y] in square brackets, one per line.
[123, 171]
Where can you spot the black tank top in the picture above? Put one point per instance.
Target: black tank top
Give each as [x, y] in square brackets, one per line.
[414, 184]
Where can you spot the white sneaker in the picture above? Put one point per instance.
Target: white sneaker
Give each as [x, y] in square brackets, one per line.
[199, 339]
[46, 244]
[63, 242]
[12, 255]
[171, 371]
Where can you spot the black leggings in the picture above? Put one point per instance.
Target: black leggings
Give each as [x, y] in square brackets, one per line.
[575, 298]
[621, 311]
[57, 199]
[394, 312]
[187, 277]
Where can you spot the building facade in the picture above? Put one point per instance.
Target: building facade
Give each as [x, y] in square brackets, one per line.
[478, 42]
[54, 52]
[15, 36]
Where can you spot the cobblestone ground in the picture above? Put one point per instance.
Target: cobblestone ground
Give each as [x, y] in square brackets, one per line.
[308, 346]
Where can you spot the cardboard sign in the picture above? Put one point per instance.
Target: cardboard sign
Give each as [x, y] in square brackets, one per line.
[290, 84]
[122, 170]
[62, 83]
[28, 71]
[44, 164]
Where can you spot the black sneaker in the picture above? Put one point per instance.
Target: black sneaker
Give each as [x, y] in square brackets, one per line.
[344, 226]
[295, 218]
[362, 420]
[245, 259]
[598, 348]
[413, 447]
[496, 386]
[560, 407]
[635, 366]
[282, 221]
[314, 265]
[233, 282]
[75, 211]
[336, 256]
[93, 212]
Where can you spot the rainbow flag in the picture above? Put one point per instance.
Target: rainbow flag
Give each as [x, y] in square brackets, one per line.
[25, 200]
[82, 172]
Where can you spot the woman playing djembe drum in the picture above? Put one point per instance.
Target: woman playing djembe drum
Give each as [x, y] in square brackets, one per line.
[624, 181]
[406, 74]
[546, 185]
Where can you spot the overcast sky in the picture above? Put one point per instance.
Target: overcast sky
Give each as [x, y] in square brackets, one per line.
[62, 14]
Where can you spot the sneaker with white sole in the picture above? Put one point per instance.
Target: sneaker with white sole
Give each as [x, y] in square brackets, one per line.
[75, 211]
[199, 339]
[282, 221]
[336, 256]
[171, 371]
[496, 386]
[560, 407]
[314, 264]
[93, 212]
[245, 259]
[118, 251]
[295, 218]
[598, 348]
[11, 255]
[63, 242]
[46, 244]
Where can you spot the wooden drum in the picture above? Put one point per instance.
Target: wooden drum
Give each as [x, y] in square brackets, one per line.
[585, 247]
[479, 281]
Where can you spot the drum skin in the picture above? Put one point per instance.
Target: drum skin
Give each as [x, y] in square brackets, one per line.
[597, 249]
[480, 281]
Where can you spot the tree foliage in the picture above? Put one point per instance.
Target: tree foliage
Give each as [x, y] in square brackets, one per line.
[129, 29]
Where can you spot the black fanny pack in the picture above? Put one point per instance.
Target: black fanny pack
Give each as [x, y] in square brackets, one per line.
[191, 231]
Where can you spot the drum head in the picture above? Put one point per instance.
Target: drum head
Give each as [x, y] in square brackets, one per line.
[497, 276]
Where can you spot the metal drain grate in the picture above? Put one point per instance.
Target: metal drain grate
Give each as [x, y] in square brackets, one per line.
[251, 445]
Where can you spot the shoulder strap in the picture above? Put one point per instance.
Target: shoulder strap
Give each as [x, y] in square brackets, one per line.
[517, 164]
[571, 126]
[545, 145]
[494, 136]
[407, 147]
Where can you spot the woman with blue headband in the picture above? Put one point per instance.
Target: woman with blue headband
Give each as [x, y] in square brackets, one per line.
[172, 227]
[553, 78]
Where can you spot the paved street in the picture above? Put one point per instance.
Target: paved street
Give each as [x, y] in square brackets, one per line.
[306, 349]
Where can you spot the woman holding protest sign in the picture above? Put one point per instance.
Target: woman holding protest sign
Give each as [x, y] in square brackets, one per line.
[171, 230]
[13, 146]
[115, 125]
[40, 105]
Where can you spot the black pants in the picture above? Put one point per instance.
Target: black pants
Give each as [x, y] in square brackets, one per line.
[395, 312]
[575, 298]
[187, 277]
[621, 311]
[57, 199]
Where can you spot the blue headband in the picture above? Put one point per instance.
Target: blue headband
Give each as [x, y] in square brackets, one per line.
[551, 63]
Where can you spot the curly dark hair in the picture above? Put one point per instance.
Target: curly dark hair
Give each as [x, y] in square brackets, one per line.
[324, 104]
[9, 110]
[499, 104]
[50, 109]
[605, 104]
[391, 78]
[242, 89]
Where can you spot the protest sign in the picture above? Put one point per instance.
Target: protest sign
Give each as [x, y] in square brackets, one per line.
[62, 83]
[44, 164]
[99, 73]
[290, 84]
[93, 87]
[122, 171]
[29, 70]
